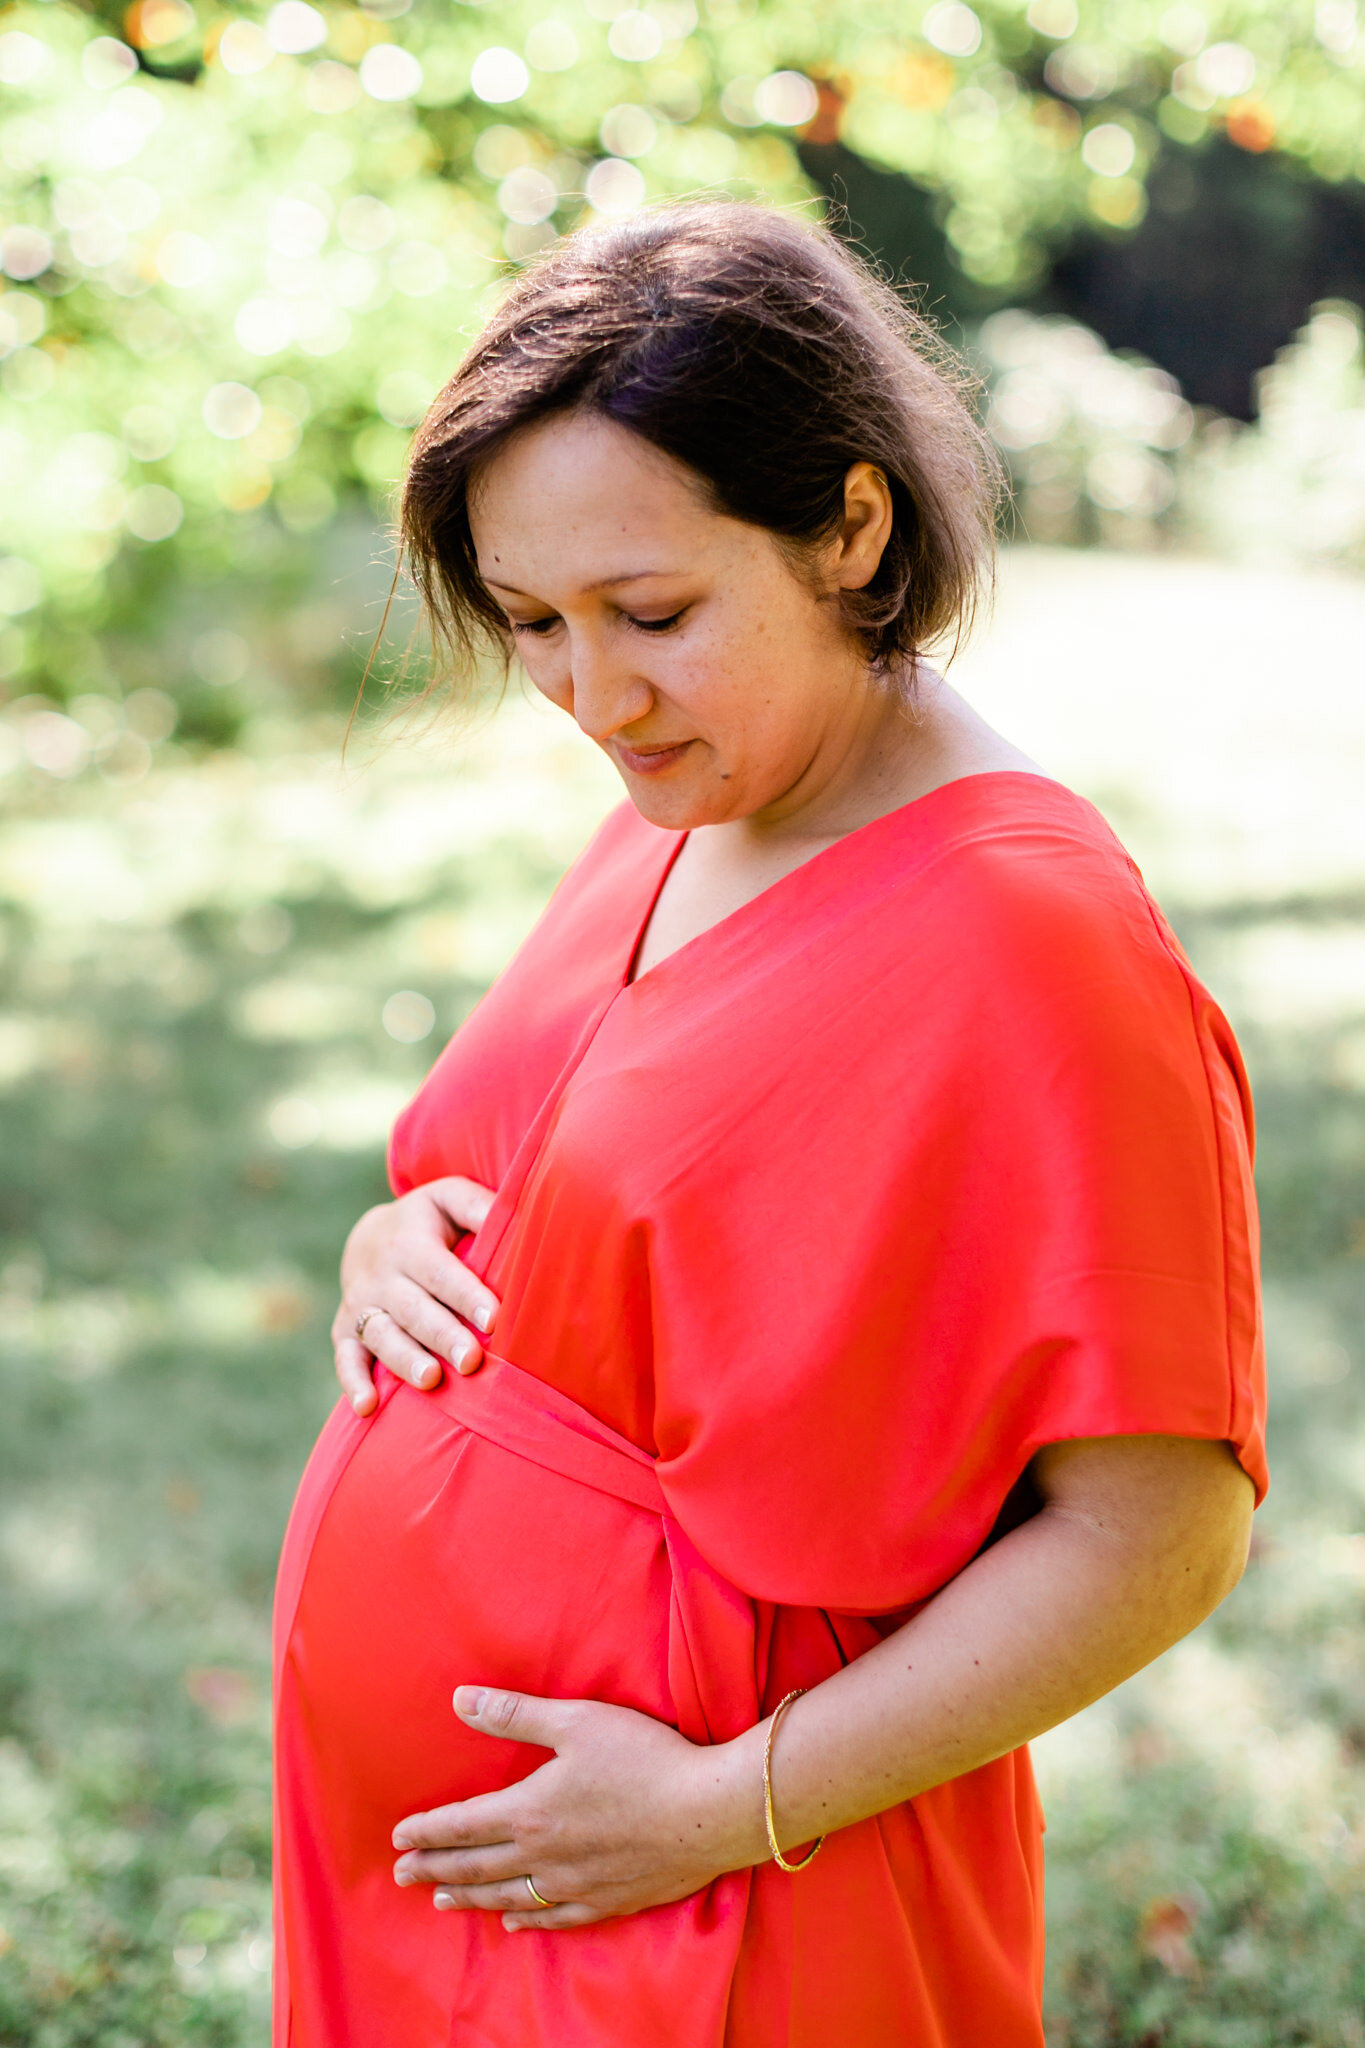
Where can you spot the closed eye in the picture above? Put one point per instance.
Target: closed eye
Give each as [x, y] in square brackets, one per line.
[540, 627]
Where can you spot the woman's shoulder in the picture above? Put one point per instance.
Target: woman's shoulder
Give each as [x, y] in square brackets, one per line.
[1023, 847]
[1053, 972]
[1047, 912]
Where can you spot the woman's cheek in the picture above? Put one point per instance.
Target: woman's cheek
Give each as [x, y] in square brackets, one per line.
[549, 673]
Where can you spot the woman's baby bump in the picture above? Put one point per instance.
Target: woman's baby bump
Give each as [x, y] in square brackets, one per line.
[444, 1559]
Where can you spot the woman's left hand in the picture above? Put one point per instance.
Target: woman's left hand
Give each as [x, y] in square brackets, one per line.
[627, 1814]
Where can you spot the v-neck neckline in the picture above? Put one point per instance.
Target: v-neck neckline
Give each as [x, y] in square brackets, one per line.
[859, 836]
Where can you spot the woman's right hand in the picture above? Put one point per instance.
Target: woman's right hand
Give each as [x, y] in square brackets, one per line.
[399, 1263]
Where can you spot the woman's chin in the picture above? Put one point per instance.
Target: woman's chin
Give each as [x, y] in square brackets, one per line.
[675, 809]
[675, 791]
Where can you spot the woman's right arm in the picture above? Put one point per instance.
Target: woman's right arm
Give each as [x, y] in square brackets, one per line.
[399, 1271]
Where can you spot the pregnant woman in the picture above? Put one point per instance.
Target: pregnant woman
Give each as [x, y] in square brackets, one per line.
[813, 1346]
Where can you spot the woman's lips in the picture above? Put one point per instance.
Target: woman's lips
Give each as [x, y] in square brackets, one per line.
[650, 760]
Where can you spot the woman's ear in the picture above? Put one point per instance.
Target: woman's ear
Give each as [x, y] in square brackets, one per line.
[866, 528]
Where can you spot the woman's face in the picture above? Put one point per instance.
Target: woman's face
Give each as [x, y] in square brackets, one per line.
[681, 641]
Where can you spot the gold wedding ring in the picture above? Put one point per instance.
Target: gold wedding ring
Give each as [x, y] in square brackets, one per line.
[545, 1904]
[362, 1319]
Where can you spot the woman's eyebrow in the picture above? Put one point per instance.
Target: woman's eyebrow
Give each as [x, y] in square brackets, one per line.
[602, 583]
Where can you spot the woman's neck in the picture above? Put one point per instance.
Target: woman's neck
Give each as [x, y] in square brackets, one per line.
[898, 748]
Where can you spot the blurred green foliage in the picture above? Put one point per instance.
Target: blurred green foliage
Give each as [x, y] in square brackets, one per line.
[1102, 447]
[243, 246]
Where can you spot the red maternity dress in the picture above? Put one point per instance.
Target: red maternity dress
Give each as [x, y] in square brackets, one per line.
[934, 1153]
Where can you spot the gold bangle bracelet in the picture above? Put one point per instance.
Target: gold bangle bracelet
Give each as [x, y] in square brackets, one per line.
[778, 1858]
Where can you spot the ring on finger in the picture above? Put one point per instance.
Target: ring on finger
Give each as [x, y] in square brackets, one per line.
[546, 1905]
[363, 1318]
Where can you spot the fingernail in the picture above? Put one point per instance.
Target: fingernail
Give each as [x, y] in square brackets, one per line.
[469, 1701]
[402, 1842]
[443, 1902]
[484, 1318]
[404, 1877]
[470, 1361]
[426, 1376]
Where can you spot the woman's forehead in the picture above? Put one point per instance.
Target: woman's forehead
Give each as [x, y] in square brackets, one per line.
[595, 502]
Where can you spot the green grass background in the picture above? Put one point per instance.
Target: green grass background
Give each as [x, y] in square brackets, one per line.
[195, 1086]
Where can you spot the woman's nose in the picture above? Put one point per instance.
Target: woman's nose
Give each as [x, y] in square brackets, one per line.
[608, 693]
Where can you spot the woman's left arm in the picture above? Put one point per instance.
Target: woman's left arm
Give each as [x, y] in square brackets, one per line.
[1137, 1540]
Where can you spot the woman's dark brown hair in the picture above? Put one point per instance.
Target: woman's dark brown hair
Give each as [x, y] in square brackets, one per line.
[759, 352]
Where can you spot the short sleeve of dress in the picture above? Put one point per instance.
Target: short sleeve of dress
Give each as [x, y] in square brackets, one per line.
[996, 1195]
[1130, 1171]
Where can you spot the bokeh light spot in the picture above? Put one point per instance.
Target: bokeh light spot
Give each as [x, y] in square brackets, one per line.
[1336, 26]
[1226, 70]
[1184, 29]
[264, 327]
[151, 24]
[294, 1122]
[1119, 202]
[184, 260]
[244, 48]
[331, 88]
[952, 28]
[24, 252]
[1109, 150]
[409, 1017]
[294, 27]
[786, 98]
[627, 130]
[218, 656]
[29, 373]
[528, 196]
[296, 228]
[56, 744]
[23, 316]
[551, 46]
[106, 63]
[152, 714]
[1056, 19]
[22, 57]
[1251, 125]
[231, 411]
[635, 37]
[737, 103]
[21, 586]
[1082, 72]
[498, 75]
[614, 186]
[500, 149]
[365, 223]
[389, 72]
[153, 512]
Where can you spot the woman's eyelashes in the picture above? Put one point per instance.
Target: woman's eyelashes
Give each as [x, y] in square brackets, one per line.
[540, 627]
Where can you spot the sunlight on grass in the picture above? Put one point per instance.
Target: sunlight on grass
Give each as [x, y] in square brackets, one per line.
[221, 981]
